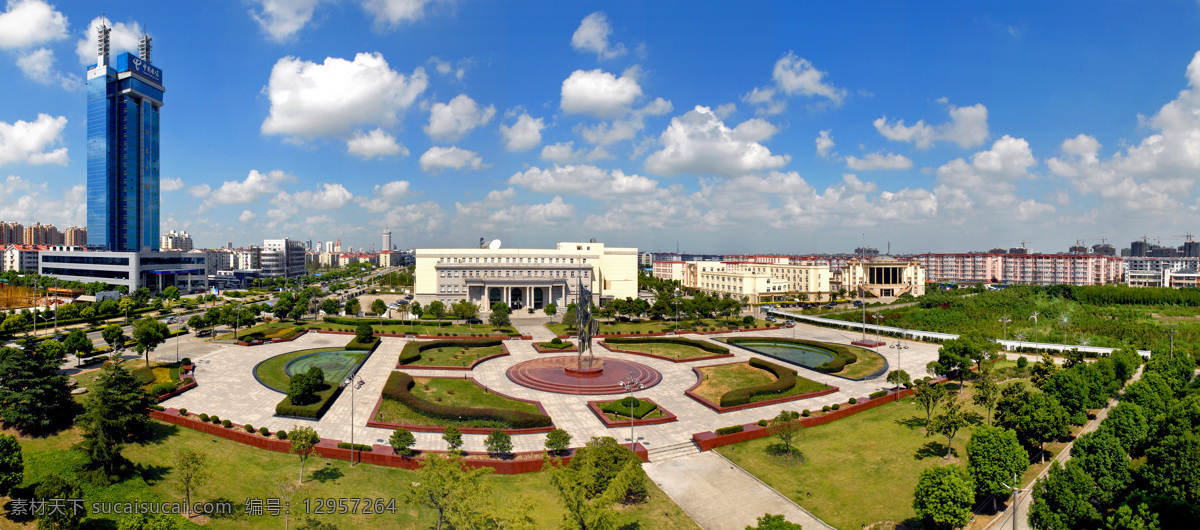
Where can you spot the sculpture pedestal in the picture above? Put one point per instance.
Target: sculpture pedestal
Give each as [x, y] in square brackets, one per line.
[564, 375]
[586, 368]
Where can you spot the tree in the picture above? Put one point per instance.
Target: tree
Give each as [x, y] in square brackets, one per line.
[1099, 454]
[402, 441]
[378, 307]
[774, 522]
[141, 521]
[956, 355]
[943, 496]
[12, 464]
[550, 310]
[353, 306]
[78, 344]
[1071, 388]
[54, 486]
[499, 315]
[197, 322]
[363, 334]
[1172, 468]
[113, 336]
[453, 438]
[987, 392]
[443, 485]
[1041, 372]
[570, 316]
[1061, 500]
[1036, 416]
[498, 442]
[464, 309]
[1126, 519]
[437, 309]
[34, 397]
[949, 422]
[786, 428]
[329, 306]
[191, 472]
[303, 387]
[147, 335]
[415, 309]
[114, 411]
[600, 475]
[929, 397]
[303, 440]
[557, 441]
[994, 457]
[899, 378]
[1127, 422]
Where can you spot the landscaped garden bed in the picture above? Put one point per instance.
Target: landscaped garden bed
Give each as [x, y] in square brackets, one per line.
[430, 404]
[455, 354]
[554, 346]
[662, 327]
[267, 332]
[615, 413]
[421, 328]
[674, 349]
[737, 386]
[322, 371]
[849, 362]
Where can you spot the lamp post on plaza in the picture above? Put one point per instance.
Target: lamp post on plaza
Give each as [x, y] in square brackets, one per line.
[677, 295]
[631, 384]
[1005, 320]
[353, 382]
[1033, 317]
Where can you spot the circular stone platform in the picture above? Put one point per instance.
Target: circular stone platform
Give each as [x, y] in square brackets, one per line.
[550, 374]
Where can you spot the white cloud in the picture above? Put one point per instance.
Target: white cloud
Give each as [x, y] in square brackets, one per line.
[967, 127]
[486, 215]
[584, 180]
[391, 13]
[523, 135]
[562, 152]
[254, 186]
[420, 217]
[27, 23]
[754, 130]
[987, 182]
[459, 71]
[386, 196]
[725, 110]
[793, 76]
[326, 197]
[377, 143]
[448, 122]
[878, 160]
[246, 216]
[825, 143]
[600, 94]
[438, 158]
[699, 142]
[26, 203]
[38, 65]
[30, 142]
[200, 191]
[170, 184]
[311, 100]
[608, 133]
[282, 19]
[123, 38]
[592, 36]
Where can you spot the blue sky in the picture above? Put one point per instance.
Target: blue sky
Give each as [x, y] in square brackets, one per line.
[726, 127]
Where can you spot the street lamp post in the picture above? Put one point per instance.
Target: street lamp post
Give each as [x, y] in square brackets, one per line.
[631, 384]
[899, 345]
[1034, 318]
[677, 294]
[237, 319]
[353, 381]
[1005, 320]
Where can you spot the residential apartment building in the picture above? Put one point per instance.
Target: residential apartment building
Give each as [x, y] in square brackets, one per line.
[1040, 269]
[282, 258]
[12, 233]
[175, 241]
[761, 279]
[76, 236]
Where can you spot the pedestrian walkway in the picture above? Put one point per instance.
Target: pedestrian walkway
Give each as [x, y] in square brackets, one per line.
[720, 495]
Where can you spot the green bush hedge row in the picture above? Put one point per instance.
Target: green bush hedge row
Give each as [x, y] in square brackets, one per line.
[380, 321]
[841, 354]
[786, 379]
[621, 407]
[398, 388]
[359, 346]
[412, 351]
[730, 430]
[312, 410]
[877, 395]
[704, 345]
[356, 447]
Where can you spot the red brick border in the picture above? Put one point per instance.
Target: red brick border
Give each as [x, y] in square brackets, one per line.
[721, 410]
[503, 349]
[667, 417]
[465, 430]
[379, 455]
[653, 356]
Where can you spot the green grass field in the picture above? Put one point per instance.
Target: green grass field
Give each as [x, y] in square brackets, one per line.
[674, 351]
[450, 391]
[655, 326]
[272, 371]
[242, 472]
[337, 365]
[454, 330]
[270, 330]
[455, 355]
[722, 378]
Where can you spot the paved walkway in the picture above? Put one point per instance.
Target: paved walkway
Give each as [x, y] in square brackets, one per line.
[719, 495]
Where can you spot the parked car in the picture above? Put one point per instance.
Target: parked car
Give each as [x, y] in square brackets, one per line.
[474, 320]
[771, 319]
[857, 303]
[830, 305]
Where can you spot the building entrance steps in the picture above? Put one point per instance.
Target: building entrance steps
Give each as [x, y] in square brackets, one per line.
[676, 450]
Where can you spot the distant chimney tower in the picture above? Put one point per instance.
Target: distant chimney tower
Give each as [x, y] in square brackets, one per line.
[144, 47]
[102, 34]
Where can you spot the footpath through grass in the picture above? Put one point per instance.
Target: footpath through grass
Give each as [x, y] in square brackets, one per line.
[242, 472]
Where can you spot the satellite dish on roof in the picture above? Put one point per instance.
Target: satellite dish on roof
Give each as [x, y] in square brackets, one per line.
[495, 244]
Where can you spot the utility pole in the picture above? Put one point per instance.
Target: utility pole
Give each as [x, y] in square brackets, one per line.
[1170, 331]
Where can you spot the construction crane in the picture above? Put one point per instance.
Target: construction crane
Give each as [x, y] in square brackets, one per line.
[1187, 237]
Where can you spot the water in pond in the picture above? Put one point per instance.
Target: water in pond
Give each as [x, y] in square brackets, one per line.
[801, 354]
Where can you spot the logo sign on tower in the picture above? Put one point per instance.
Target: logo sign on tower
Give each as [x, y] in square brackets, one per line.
[145, 69]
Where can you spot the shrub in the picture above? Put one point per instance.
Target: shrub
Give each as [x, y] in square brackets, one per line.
[1022, 362]
[704, 345]
[630, 401]
[877, 395]
[853, 401]
[805, 413]
[203, 417]
[747, 320]
[159, 408]
[249, 428]
[556, 341]
[412, 351]
[358, 345]
[264, 431]
[785, 380]
[825, 408]
[282, 435]
[398, 388]
[762, 423]
[226, 423]
[837, 406]
[185, 360]
[165, 387]
[355, 447]
[215, 419]
[730, 430]
[183, 412]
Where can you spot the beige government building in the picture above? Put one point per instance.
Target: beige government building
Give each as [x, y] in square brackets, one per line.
[525, 278]
[766, 279]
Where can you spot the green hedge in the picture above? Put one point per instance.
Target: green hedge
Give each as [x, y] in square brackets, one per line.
[356, 447]
[359, 346]
[388, 321]
[621, 407]
[399, 386]
[730, 430]
[877, 395]
[325, 399]
[842, 355]
[786, 379]
[412, 351]
[703, 345]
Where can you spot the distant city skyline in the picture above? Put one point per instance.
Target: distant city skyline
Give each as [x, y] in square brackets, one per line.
[724, 128]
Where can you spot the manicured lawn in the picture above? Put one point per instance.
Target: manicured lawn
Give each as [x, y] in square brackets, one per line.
[456, 329]
[271, 371]
[242, 472]
[271, 330]
[616, 409]
[722, 378]
[868, 363]
[674, 351]
[655, 326]
[450, 391]
[455, 355]
[564, 345]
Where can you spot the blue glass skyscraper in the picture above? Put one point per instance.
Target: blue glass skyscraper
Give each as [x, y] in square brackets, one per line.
[124, 99]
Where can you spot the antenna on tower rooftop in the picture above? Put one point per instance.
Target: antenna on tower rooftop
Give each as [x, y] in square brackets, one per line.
[144, 47]
[102, 44]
